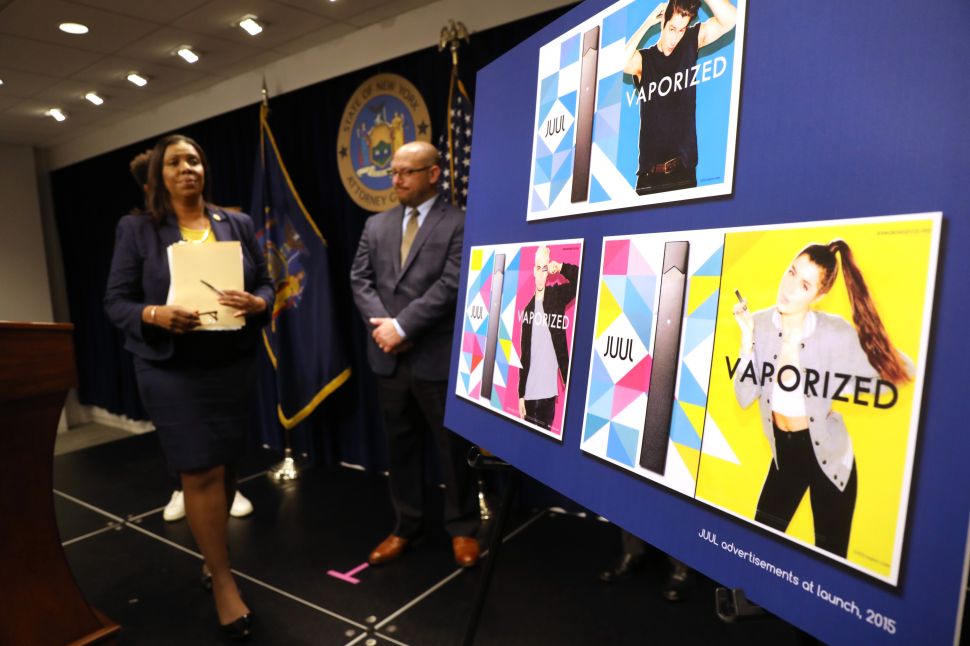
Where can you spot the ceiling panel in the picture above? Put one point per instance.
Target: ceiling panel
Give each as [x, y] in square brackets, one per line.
[214, 53]
[69, 95]
[23, 132]
[328, 33]
[77, 114]
[39, 20]
[253, 63]
[111, 73]
[339, 10]
[23, 84]
[42, 58]
[162, 12]
[7, 101]
[42, 67]
[66, 92]
[26, 122]
[385, 11]
[283, 23]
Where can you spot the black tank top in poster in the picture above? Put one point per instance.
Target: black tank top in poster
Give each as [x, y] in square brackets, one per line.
[668, 105]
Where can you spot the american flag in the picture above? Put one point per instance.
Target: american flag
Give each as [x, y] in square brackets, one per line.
[455, 144]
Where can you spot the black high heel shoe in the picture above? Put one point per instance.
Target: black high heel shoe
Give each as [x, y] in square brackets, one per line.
[240, 629]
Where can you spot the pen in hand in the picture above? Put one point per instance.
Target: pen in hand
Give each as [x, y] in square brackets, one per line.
[216, 290]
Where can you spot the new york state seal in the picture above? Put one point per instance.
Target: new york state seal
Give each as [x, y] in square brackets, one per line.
[385, 112]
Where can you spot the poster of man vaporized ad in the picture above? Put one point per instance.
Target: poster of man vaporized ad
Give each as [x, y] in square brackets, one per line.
[774, 373]
[637, 105]
[517, 331]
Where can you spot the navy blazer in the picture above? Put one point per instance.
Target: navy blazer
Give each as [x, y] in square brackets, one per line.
[139, 276]
[421, 295]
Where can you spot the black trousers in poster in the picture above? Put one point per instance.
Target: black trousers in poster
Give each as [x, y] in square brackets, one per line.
[414, 412]
[541, 412]
[796, 471]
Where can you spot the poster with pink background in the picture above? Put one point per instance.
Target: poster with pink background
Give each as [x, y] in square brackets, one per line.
[517, 334]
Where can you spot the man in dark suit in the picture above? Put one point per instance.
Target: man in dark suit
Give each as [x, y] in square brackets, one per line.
[405, 284]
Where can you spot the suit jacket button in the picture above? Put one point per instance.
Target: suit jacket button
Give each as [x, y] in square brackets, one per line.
[803, 345]
[811, 419]
[836, 478]
[779, 334]
[816, 443]
[775, 356]
[824, 462]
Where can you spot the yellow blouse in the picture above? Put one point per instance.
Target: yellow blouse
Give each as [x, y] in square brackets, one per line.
[197, 235]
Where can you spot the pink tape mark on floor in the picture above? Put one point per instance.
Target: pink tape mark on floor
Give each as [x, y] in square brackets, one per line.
[348, 576]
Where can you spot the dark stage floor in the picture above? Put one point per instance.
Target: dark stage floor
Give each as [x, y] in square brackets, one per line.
[143, 572]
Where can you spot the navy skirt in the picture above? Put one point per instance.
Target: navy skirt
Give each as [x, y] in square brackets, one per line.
[200, 399]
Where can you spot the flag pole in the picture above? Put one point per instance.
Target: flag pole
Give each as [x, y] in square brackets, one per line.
[287, 469]
[451, 36]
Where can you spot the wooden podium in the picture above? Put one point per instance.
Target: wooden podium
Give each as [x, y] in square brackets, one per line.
[41, 602]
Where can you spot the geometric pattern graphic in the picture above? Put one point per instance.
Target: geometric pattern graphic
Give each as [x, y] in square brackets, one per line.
[622, 353]
[614, 159]
[518, 289]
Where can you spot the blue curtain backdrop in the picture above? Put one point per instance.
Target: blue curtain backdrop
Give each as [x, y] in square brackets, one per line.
[90, 197]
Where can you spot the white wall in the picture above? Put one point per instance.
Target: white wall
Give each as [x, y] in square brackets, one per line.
[24, 285]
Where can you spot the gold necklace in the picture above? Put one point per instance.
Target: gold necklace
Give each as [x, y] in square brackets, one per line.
[205, 236]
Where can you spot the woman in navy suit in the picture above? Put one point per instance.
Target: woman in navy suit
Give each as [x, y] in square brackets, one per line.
[197, 387]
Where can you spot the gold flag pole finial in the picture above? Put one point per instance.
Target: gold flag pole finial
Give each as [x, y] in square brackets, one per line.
[451, 36]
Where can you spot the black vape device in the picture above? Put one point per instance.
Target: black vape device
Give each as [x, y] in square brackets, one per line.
[494, 312]
[666, 358]
[584, 116]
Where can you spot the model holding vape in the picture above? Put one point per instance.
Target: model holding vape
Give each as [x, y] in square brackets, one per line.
[810, 446]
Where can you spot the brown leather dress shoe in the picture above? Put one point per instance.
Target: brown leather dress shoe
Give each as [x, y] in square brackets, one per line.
[389, 549]
[466, 550]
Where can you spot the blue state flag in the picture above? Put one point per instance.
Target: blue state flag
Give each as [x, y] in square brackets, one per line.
[301, 340]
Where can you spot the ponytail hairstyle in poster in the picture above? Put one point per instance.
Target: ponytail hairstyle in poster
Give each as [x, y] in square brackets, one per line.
[872, 333]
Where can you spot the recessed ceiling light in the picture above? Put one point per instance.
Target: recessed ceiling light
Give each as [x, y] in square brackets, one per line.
[250, 26]
[57, 114]
[1, 81]
[187, 54]
[94, 98]
[137, 79]
[75, 28]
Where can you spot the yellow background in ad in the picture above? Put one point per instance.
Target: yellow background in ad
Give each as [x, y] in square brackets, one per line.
[893, 258]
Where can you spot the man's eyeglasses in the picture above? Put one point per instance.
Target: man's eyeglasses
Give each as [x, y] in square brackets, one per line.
[404, 173]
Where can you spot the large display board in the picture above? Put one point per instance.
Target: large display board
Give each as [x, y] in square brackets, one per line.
[817, 466]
